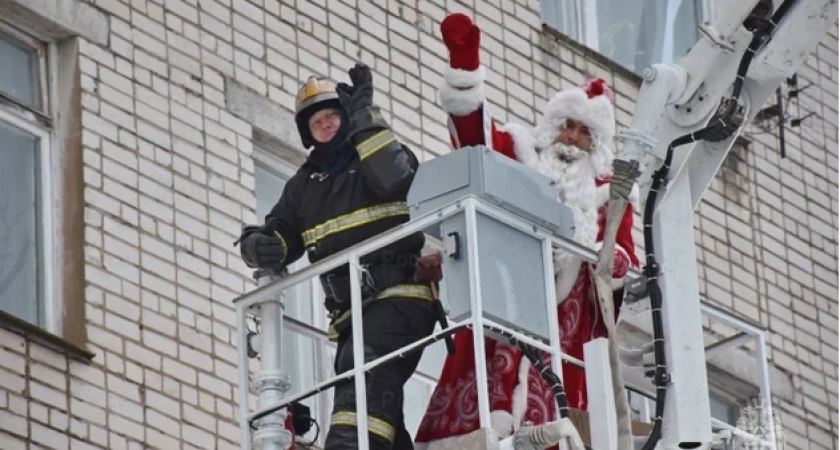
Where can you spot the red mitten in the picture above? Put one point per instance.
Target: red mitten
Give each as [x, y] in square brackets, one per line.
[462, 37]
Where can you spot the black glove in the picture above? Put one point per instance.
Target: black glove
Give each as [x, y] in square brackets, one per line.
[261, 249]
[360, 94]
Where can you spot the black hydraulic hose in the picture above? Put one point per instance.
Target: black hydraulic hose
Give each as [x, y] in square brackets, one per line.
[554, 381]
[721, 127]
[535, 356]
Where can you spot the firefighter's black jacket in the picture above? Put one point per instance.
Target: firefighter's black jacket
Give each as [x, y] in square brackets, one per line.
[323, 215]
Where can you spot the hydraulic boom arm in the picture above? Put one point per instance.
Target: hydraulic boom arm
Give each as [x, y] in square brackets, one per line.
[686, 121]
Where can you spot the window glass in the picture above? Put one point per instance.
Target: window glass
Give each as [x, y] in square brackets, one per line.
[636, 33]
[620, 31]
[686, 33]
[19, 224]
[416, 395]
[298, 352]
[19, 71]
[633, 33]
[721, 408]
[724, 410]
[431, 363]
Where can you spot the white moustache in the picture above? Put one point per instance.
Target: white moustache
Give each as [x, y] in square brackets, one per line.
[567, 153]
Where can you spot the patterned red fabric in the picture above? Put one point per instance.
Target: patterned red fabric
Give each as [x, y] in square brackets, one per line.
[453, 408]
[291, 429]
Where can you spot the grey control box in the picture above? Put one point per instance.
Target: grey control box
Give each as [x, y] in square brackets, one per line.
[511, 275]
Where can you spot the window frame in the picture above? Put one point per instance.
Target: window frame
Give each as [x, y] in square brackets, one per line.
[39, 123]
[646, 406]
[45, 50]
[323, 352]
[583, 16]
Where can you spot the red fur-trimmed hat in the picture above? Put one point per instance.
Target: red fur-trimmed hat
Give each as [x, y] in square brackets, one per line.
[591, 103]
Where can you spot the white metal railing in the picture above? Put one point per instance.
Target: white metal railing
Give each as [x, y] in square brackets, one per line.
[272, 292]
[269, 293]
[746, 333]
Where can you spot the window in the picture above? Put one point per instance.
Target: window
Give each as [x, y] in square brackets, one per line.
[418, 390]
[303, 358]
[721, 407]
[25, 197]
[633, 33]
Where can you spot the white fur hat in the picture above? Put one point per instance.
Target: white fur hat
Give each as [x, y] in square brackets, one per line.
[590, 104]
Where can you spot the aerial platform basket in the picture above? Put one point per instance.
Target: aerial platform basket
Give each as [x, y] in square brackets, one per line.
[511, 202]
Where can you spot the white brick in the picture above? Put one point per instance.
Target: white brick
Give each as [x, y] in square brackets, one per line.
[197, 266]
[179, 371]
[10, 441]
[189, 206]
[158, 285]
[200, 286]
[165, 405]
[12, 423]
[200, 419]
[58, 420]
[49, 437]
[165, 424]
[50, 376]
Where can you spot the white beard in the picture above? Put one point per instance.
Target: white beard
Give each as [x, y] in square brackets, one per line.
[575, 183]
[574, 176]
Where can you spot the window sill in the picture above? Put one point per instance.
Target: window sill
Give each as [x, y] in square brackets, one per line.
[45, 338]
[589, 53]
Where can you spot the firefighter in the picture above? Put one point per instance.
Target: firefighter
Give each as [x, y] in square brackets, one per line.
[353, 186]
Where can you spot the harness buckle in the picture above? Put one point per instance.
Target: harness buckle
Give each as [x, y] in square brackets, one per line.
[368, 282]
[327, 284]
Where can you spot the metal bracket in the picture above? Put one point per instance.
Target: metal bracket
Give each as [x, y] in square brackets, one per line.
[691, 112]
[636, 290]
[716, 38]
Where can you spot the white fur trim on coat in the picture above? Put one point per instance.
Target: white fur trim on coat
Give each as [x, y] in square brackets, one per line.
[462, 91]
[564, 280]
[461, 79]
[460, 102]
[502, 422]
[523, 144]
[519, 401]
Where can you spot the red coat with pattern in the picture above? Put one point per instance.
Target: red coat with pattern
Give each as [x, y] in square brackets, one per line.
[517, 391]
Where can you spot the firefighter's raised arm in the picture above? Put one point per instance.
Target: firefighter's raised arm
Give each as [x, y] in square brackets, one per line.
[278, 243]
[387, 164]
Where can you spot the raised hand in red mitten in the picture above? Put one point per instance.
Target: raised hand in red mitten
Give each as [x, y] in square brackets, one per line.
[462, 37]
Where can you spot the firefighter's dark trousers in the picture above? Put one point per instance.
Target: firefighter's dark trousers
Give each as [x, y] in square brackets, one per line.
[388, 325]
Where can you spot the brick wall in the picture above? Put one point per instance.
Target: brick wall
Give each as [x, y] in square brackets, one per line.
[169, 178]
